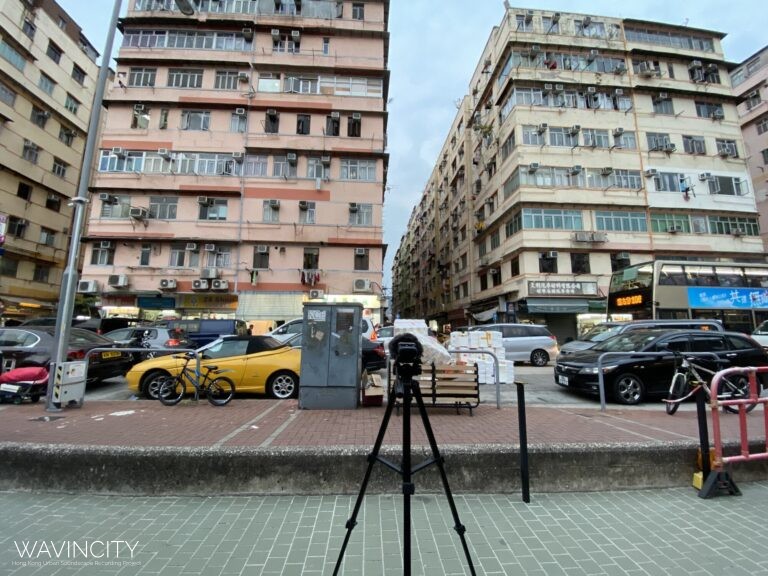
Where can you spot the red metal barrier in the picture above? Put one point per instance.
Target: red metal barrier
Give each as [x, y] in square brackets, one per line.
[719, 479]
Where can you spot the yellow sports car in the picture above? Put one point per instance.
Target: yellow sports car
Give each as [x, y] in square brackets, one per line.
[253, 363]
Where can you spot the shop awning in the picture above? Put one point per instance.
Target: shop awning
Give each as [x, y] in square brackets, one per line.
[597, 305]
[557, 305]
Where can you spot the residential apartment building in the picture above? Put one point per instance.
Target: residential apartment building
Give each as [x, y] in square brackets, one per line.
[750, 84]
[584, 144]
[242, 165]
[47, 80]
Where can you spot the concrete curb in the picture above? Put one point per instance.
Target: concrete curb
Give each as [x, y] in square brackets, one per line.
[134, 470]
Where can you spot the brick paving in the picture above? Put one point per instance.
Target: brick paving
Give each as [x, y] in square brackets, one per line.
[640, 533]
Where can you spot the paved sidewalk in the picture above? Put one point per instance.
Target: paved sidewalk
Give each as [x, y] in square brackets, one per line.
[640, 533]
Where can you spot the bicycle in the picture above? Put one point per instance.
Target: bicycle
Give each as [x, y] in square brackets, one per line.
[218, 390]
[687, 379]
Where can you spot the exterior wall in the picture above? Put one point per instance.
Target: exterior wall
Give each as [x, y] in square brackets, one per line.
[34, 259]
[504, 196]
[258, 252]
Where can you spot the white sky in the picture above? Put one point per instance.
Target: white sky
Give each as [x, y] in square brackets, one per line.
[434, 47]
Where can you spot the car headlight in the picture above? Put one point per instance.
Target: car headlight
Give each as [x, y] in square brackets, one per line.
[593, 369]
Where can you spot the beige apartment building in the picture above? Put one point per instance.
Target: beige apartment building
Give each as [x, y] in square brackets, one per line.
[243, 161]
[47, 80]
[750, 84]
[585, 144]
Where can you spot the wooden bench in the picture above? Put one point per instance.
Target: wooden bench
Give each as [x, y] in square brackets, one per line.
[447, 385]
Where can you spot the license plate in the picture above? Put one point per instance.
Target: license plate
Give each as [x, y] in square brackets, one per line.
[9, 388]
[111, 354]
[562, 380]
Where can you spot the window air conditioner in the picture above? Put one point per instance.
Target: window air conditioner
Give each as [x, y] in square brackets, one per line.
[262, 248]
[669, 147]
[247, 33]
[575, 129]
[587, 21]
[582, 237]
[360, 251]
[548, 88]
[219, 285]
[535, 48]
[556, 17]
[606, 171]
[107, 198]
[621, 68]
[361, 285]
[651, 173]
[209, 273]
[316, 294]
[291, 157]
[199, 284]
[591, 90]
[559, 87]
[724, 152]
[694, 65]
[87, 286]
[353, 207]
[618, 92]
[575, 169]
[674, 229]
[717, 114]
[646, 69]
[325, 159]
[357, 116]
[737, 231]
[203, 200]
[303, 205]
[705, 176]
[274, 204]
[167, 284]
[119, 152]
[242, 77]
[191, 246]
[237, 157]
[599, 237]
[335, 115]
[541, 128]
[106, 244]
[118, 280]
[622, 256]
[209, 247]
[138, 108]
[164, 153]
[276, 33]
[552, 254]
[241, 111]
[138, 212]
[533, 166]
[271, 112]
[618, 131]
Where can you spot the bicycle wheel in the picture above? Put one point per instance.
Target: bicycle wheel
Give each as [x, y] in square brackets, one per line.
[171, 391]
[734, 388]
[676, 391]
[220, 391]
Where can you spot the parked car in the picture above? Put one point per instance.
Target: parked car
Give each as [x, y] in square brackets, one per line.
[631, 378]
[373, 352]
[155, 336]
[204, 331]
[384, 334]
[258, 363]
[296, 326]
[525, 342]
[98, 325]
[34, 346]
[604, 330]
[760, 334]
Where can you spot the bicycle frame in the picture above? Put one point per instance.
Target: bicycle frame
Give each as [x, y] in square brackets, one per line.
[194, 376]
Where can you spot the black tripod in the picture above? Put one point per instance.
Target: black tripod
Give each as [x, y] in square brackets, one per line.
[406, 388]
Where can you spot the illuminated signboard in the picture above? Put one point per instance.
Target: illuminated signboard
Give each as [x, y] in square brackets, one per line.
[634, 300]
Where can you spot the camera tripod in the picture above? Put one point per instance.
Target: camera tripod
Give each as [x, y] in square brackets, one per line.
[406, 388]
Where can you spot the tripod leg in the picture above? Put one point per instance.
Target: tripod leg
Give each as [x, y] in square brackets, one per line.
[408, 486]
[459, 527]
[352, 522]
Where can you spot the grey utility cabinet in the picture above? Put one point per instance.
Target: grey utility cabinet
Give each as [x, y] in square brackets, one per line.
[330, 356]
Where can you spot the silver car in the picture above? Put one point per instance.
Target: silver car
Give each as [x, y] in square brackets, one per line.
[525, 342]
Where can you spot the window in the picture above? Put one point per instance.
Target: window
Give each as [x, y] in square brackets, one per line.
[668, 181]
[145, 254]
[261, 257]
[362, 258]
[163, 124]
[72, 104]
[621, 221]
[626, 140]
[119, 209]
[271, 211]
[358, 11]
[302, 123]
[140, 117]
[727, 147]
[657, 141]
[762, 126]
[59, 168]
[332, 125]
[17, 60]
[282, 168]
[39, 116]
[102, 256]
[725, 225]
[559, 136]
[255, 165]
[316, 168]
[7, 95]
[9, 266]
[17, 227]
[268, 82]
[667, 222]
[272, 122]
[547, 264]
[53, 202]
[226, 80]
[142, 76]
[28, 28]
[24, 191]
[54, 52]
[178, 255]
[550, 26]
[354, 126]
[30, 151]
[765, 156]
[286, 44]
[78, 74]
[753, 99]
[354, 169]
[46, 84]
[580, 263]
[307, 213]
[326, 46]
[195, 120]
[215, 210]
[663, 106]
[47, 236]
[363, 216]
[238, 123]
[185, 78]
[709, 110]
[311, 259]
[495, 239]
[41, 274]
[508, 146]
[728, 186]
[163, 207]
[694, 145]
[596, 138]
[550, 219]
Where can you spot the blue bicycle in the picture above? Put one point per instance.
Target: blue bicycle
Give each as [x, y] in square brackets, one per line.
[218, 390]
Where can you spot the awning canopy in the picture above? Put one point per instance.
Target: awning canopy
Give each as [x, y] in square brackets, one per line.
[485, 315]
[557, 305]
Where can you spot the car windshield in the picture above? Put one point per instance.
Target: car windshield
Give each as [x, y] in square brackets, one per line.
[602, 334]
[762, 329]
[628, 342]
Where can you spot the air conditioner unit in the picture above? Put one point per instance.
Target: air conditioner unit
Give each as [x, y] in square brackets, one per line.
[620, 68]
[535, 49]
[712, 68]
[119, 152]
[241, 111]
[262, 248]
[552, 254]
[209, 273]
[556, 17]
[303, 205]
[494, 271]
[737, 231]
[548, 88]
[106, 244]
[107, 198]
[271, 112]
[276, 33]
[582, 237]
[167, 284]
[651, 173]
[591, 90]
[646, 69]
[199, 284]
[164, 152]
[618, 92]
[674, 229]
[618, 131]
[724, 152]
[118, 280]
[606, 171]
[575, 169]
[599, 237]
[274, 204]
[533, 166]
[203, 200]
[357, 116]
[587, 21]
[325, 159]
[291, 157]
[138, 212]
[541, 128]
[559, 87]
[316, 294]
[209, 247]
[528, 16]
[87, 286]
[219, 285]
[669, 147]
[138, 108]
[353, 207]
[717, 114]
[575, 129]
[243, 77]
[360, 252]
[247, 33]
[361, 285]
[695, 64]
[191, 246]
[295, 35]
[622, 256]
[237, 157]
[335, 115]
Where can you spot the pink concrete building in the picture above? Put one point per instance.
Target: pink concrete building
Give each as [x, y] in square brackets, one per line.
[242, 166]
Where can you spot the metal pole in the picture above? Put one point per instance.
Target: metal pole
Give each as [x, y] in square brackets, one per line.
[524, 473]
[70, 277]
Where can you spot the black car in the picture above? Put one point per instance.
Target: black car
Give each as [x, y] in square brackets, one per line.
[33, 346]
[630, 378]
[98, 325]
[374, 355]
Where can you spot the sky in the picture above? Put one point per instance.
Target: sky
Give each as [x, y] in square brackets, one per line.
[434, 48]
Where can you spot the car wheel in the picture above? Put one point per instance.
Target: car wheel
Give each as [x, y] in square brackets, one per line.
[539, 358]
[629, 389]
[151, 383]
[283, 385]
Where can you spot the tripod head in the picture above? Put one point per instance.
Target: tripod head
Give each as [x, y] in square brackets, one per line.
[406, 351]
